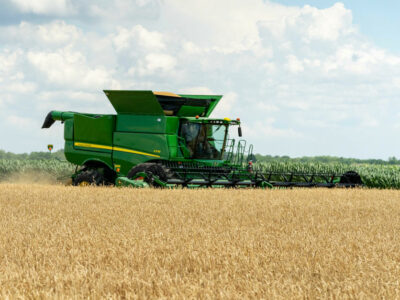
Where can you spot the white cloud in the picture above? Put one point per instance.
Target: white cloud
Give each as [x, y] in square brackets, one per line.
[270, 67]
[58, 32]
[53, 34]
[69, 68]
[196, 90]
[156, 62]
[326, 24]
[45, 7]
[21, 88]
[294, 65]
[191, 48]
[226, 106]
[369, 122]
[268, 107]
[396, 82]
[149, 40]
[234, 34]
[359, 59]
[268, 129]
[22, 122]
[8, 60]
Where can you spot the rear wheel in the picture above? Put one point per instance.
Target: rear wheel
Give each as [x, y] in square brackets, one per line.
[151, 170]
[89, 177]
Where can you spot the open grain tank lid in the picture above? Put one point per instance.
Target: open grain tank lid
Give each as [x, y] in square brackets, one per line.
[162, 103]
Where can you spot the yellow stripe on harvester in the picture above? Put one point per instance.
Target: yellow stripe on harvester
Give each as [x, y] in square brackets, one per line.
[96, 146]
[86, 145]
[134, 152]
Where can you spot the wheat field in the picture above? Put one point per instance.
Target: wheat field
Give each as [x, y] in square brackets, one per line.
[99, 242]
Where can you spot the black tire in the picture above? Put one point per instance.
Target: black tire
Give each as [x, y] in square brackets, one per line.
[89, 177]
[150, 169]
[351, 177]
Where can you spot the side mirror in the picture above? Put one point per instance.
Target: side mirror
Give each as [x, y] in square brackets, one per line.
[240, 131]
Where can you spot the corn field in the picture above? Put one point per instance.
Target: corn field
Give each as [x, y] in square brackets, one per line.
[374, 176]
[55, 169]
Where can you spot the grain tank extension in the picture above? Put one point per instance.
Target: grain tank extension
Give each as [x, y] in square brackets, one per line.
[163, 139]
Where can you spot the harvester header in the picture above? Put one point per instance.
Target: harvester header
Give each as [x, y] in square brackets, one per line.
[167, 139]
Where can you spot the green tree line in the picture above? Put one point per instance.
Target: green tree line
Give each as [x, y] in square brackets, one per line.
[326, 159]
[59, 155]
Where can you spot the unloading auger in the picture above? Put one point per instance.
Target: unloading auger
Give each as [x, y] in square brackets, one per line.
[163, 139]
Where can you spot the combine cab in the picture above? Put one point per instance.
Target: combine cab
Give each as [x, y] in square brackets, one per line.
[163, 139]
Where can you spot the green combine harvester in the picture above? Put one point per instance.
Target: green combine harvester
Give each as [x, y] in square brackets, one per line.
[162, 139]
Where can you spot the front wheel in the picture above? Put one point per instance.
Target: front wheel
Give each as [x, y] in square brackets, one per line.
[89, 177]
[150, 169]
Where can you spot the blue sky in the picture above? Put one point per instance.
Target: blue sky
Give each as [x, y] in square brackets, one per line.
[305, 77]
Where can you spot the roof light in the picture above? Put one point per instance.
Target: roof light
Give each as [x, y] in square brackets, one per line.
[237, 119]
[197, 117]
[227, 119]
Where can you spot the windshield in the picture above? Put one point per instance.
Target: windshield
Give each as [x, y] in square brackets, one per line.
[205, 141]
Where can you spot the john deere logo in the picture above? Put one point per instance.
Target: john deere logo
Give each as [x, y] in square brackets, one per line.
[50, 147]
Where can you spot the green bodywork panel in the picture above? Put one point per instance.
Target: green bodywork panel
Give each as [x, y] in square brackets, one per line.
[143, 147]
[135, 102]
[69, 130]
[191, 111]
[80, 156]
[96, 130]
[173, 146]
[205, 97]
[147, 124]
